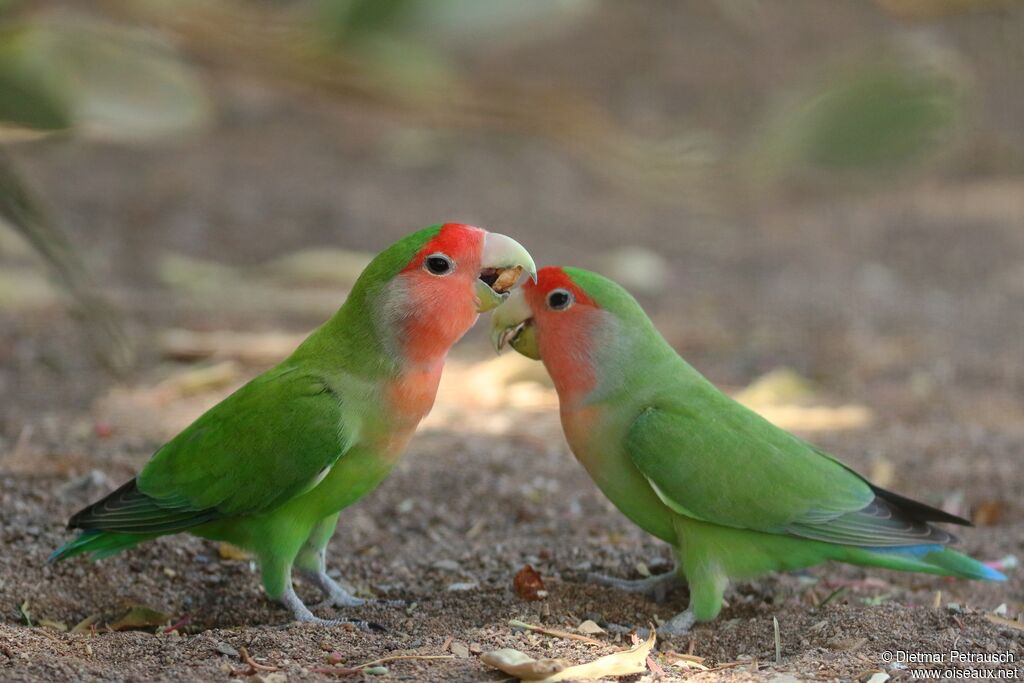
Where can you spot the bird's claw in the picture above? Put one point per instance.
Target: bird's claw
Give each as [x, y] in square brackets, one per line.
[342, 600]
[655, 587]
[360, 624]
[386, 602]
[677, 626]
[302, 613]
[351, 601]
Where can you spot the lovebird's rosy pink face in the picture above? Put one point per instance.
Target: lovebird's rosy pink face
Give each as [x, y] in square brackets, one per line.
[461, 272]
[449, 263]
[552, 320]
[557, 303]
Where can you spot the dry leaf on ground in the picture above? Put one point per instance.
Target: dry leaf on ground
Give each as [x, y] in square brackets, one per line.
[227, 551]
[590, 628]
[139, 616]
[516, 663]
[85, 624]
[622, 663]
[528, 584]
[988, 513]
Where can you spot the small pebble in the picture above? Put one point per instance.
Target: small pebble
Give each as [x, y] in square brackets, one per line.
[447, 565]
[590, 628]
[463, 586]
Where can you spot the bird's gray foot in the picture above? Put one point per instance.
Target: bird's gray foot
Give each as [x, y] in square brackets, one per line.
[302, 614]
[335, 592]
[338, 596]
[679, 625]
[655, 587]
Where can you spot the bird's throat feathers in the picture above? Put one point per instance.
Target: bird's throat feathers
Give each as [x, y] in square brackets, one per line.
[418, 325]
[572, 355]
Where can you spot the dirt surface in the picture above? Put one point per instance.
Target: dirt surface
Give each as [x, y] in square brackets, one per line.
[904, 306]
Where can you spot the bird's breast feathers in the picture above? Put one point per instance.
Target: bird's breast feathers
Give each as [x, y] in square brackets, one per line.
[411, 396]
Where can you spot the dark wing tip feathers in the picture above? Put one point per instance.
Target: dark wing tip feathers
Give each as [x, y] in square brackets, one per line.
[916, 510]
[84, 517]
[129, 510]
[889, 520]
[901, 521]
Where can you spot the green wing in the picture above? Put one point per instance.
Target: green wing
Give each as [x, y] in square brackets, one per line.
[261, 446]
[713, 460]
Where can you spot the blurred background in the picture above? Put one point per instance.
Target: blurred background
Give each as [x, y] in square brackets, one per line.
[836, 189]
[820, 203]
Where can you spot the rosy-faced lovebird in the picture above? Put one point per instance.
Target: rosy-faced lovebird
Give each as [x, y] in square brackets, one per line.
[269, 468]
[734, 495]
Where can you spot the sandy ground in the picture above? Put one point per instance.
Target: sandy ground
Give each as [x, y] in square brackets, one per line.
[489, 486]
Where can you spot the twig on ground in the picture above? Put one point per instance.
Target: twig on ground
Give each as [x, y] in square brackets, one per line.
[254, 666]
[358, 668]
[179, 624]
[395, 658]
[554, 633]
[336, 670]
[832, 596]
[49, 635]
[778, 640]
[1003, 621]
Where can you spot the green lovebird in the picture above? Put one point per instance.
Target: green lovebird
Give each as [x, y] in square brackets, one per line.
[734, 495]
[271, 466]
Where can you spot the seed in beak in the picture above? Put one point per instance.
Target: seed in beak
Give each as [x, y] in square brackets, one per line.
[504, 278]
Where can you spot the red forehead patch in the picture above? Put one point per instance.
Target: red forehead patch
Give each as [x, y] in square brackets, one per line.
[553, 277]
[458, 240]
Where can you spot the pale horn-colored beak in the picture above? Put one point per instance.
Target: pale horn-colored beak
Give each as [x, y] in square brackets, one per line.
[502, 261]
[511, 320]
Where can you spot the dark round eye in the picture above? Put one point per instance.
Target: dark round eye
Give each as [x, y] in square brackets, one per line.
[438, 264]
[559, 299]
